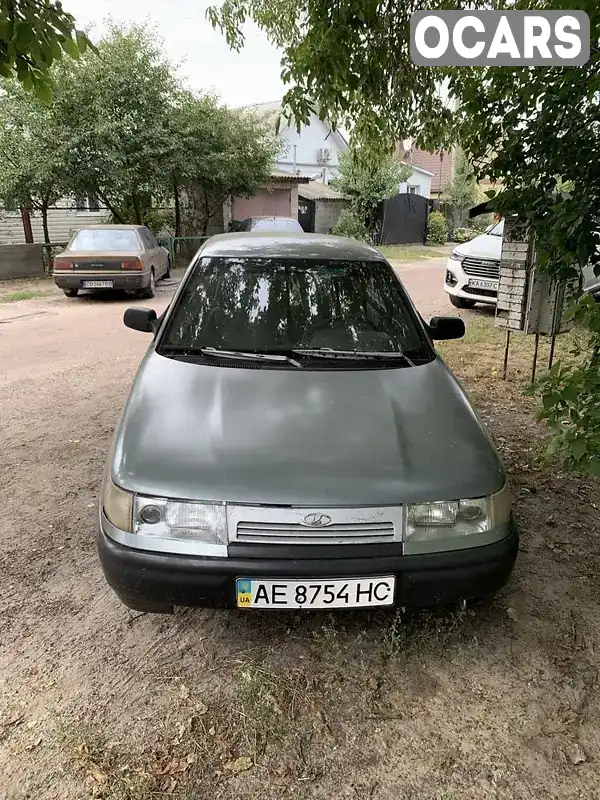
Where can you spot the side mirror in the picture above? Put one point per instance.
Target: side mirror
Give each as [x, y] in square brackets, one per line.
[446, 328]
[140, 319]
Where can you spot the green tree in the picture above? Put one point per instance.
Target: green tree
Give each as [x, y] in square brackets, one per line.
[214, 153]
[462, 193]
[536, 130]
[32, 153]
[115, 104]
[33, 35]
[368, 176]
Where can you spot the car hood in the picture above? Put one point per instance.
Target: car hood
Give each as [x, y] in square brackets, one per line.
[483, 246]
[302, 437]
[486, 246]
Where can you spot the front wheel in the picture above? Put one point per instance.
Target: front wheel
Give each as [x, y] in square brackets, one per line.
[151, 290]
[71, 292]
[461, 302]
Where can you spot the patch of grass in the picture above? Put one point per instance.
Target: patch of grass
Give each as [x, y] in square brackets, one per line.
[24, 294]
[479, 356]
[412, 252]
[108, 773]
[261, 724]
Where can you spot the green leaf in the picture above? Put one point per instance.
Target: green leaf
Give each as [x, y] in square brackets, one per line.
[554, 445]
[70, 47]
[44, 92]
[82, 41]
[23, 35]
[578, 448]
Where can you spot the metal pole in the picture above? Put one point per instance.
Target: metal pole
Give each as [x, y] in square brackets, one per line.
[506, 348]
[535, 355]
[551, 358]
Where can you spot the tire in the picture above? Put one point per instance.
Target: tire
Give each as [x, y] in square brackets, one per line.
[168, 272]
[71, 292]
[460, 302]
[150, 292]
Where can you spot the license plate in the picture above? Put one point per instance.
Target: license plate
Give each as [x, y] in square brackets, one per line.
[475, 283]
[97, 284]
[321, 593]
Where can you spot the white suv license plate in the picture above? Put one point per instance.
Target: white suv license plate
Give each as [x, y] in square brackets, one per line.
[475, 283]
[338, 593]
[97, 284]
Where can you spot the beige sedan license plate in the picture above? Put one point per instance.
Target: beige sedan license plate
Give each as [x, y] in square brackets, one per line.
[325, 593]
[97, 284]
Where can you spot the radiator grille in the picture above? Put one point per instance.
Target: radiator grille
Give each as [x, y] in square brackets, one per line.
[481, 268]
[290, 533]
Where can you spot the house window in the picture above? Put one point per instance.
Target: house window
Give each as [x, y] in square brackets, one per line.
[85, 203]
[411, 189]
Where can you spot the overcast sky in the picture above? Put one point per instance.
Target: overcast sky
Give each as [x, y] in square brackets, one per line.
[189, 39]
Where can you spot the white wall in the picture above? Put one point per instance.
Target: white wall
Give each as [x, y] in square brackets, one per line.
[62, 224]
[420, 180]
[309, 141]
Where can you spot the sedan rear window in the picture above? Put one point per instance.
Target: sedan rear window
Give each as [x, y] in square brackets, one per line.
[275, 224]
[106, 240]
[271, 305]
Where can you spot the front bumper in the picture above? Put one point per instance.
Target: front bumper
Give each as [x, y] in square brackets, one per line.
[421, 580]
[132, 281]
[460, 287]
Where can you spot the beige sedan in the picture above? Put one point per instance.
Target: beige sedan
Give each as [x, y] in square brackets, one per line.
[122, 257]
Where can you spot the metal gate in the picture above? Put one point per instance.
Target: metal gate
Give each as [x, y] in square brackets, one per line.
[404, 219]
[306, 214]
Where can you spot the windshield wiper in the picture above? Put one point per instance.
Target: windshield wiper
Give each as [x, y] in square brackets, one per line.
[353, 355]
[242, 355]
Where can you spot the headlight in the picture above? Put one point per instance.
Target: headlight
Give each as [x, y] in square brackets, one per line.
[185, 522]
[117, 504]
[456, 256]
[446, 519]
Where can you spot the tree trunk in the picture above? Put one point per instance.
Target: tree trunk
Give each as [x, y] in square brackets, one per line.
[137, 209]
[27, 230]
[207, 214]
[177, 208]
[45, 221]
[117, 216]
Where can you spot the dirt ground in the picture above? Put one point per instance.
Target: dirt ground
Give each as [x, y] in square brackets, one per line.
[98, 701]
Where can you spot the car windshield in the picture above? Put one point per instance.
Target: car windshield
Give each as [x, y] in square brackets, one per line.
[106, 240]
[498, 229]
[275, 224]
[279, 305]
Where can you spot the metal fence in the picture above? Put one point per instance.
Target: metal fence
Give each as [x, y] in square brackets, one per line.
[181, 248]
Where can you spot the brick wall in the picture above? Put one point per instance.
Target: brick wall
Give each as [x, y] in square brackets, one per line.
[327, 213]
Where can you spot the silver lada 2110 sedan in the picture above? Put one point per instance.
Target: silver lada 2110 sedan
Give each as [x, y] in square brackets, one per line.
[292, 440]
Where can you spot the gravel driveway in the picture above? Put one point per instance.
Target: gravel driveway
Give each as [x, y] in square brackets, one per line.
[97, 701]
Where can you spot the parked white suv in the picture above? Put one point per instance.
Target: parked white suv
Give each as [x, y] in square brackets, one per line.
[473, 270]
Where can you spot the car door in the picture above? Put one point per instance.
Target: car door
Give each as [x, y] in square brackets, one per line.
[158, 255]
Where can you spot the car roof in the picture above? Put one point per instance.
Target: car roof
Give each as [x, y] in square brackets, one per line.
[289, 245]
[109, 227]
[271, 216]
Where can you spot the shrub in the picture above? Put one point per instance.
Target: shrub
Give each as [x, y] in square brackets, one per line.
[437, 228]
[461, 235]
[349, 224]
[482, 222]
